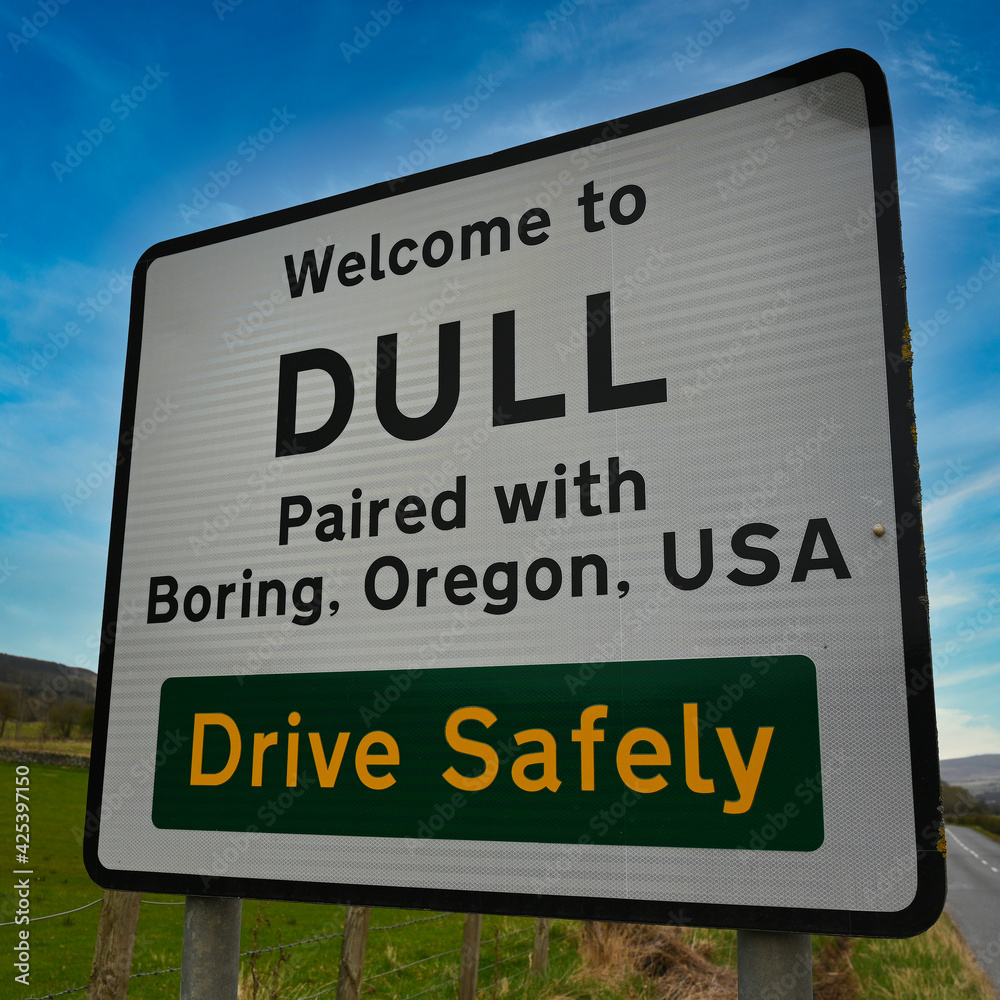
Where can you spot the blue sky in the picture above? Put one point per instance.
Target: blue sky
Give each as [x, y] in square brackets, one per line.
[123, 122]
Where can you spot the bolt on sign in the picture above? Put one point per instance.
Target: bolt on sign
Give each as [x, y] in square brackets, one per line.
[537, 534]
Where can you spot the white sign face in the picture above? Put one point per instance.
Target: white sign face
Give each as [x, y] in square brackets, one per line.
[515, 535]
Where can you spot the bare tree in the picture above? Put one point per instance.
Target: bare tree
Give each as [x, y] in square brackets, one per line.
[64, 715]
[8, 706]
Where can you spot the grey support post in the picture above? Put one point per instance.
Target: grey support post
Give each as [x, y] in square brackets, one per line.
[210, 965]
[773, 965]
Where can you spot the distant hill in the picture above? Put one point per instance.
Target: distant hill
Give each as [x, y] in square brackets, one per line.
[41, 679]
[979, 774]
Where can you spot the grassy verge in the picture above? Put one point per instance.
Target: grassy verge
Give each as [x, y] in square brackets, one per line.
[420, 956]
[988, 824]
[700, 964]
[62, 948]
[936, 966]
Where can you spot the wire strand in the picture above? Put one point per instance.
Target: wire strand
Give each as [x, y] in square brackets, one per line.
[419, 961]
[49, 996]
[407, 923]
[430, 989]
[10, 923]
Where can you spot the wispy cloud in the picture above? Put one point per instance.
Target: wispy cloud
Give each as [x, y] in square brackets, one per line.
[924, 69]
[961, 734]
[938, 511]
[61, 47]
[949, 592]
[964, 676]
[971, 161]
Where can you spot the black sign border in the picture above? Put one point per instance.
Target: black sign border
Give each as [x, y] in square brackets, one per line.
[928, 823]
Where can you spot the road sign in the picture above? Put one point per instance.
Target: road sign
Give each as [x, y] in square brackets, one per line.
[538, 534]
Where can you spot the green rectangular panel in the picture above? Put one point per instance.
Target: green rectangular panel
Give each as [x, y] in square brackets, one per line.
[712, 753]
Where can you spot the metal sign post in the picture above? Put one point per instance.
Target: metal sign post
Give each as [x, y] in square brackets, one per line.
[210, 964]
[550, 522]
[773, 964]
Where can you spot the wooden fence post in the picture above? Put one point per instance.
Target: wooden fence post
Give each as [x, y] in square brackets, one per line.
[468, 977]
[593, 937]
[114, 946]
[540, 956]
[352, 952]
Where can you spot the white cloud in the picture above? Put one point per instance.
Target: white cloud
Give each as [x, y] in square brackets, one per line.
[943, 509]
[973, 674]
[961, 734]
[606, 26]
[42, 303]
[958, 146]
[63, 48]
[922, 66]
[951, 591]
[961, 148]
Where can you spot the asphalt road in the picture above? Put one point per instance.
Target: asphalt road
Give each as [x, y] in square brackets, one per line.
[974, 894]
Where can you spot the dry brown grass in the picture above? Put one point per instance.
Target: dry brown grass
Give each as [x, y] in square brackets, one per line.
[677, 970]
[679, 963]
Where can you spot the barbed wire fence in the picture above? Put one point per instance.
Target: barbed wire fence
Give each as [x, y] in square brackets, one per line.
[354, 938]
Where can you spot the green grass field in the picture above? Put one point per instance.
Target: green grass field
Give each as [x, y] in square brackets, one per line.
[933, 965]
[63, 947]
